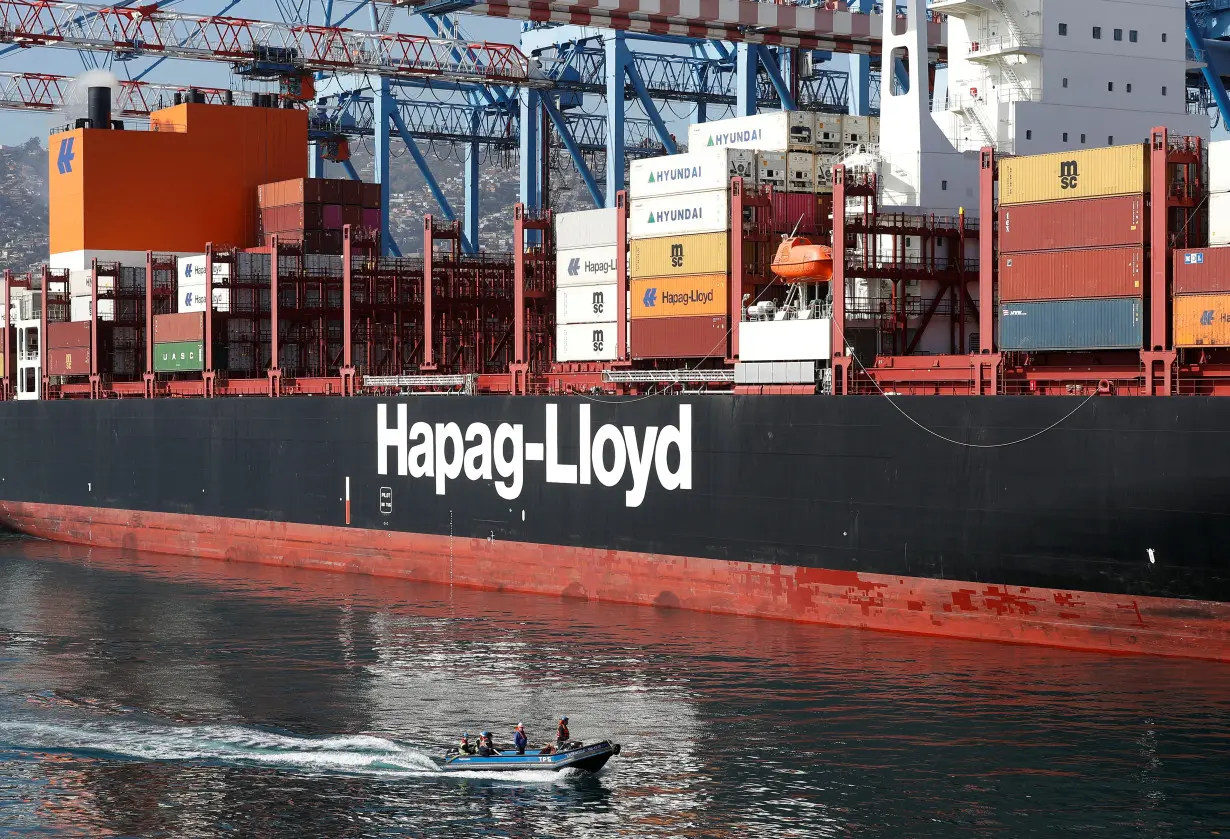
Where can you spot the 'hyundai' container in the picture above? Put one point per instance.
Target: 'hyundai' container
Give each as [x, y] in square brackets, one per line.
[1084, 173]
[691, 337]
[1117, 221]
[674, 297]
[585, 266]
[1072, 275]
[188, 326]
[698, 171]
[585, 229]
[701, 253]
[774, 131]
[586, 341]
[1202, 320]
[1105, 324]
[585, 303]
[1201, 270]
[670, 215]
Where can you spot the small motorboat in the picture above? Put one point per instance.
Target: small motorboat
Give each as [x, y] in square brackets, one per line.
[574, 755]
[798, 258]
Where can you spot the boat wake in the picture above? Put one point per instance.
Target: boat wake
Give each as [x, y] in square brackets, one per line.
[237, 745]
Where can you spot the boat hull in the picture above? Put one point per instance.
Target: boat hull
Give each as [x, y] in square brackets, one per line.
[1102, 533]
[589, 758]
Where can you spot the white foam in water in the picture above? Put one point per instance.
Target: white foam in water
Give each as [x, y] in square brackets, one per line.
[360, 754]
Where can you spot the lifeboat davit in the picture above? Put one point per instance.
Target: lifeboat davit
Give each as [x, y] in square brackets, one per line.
[799, 259]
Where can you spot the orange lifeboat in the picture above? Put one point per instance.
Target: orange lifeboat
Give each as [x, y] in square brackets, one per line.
[798, 259]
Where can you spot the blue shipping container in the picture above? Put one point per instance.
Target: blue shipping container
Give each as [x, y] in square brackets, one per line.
[1106, 324]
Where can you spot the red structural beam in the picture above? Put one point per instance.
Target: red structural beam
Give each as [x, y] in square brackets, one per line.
[47, 92]
[147, 30]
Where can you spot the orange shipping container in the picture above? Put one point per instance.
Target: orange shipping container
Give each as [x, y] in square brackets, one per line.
[668, 297]
[190, 180]
[1202, 320]
[185, 326]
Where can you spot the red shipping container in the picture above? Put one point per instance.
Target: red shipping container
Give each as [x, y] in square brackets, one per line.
[331, 217]
[371, 196]
[371, 219]
[331, 191]
[294, 191]
[352, 216]
[691, 337]
[1072, 275]
[352, 193]
[173, 329]
[1202, 271]
[68, 334]
[803, 209]
[68, 361]
[1118, 221]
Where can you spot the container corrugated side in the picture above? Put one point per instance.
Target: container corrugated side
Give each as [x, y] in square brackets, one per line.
[585, 266]
[673, 297]
[68, 361]
[1083, 173]
[1071, 275]
[1219, 218]
[1106, 324]
[701, 253]
[187, 326]
[585, 229]
[68, 334]
[1202, 320]
[671, 215]
[1201, 271]
[180, 356]
[692, 337]
[774, 131]
[585, 304]
[586, 341]
[1117, 221]
[696, 171]
[1218, 155]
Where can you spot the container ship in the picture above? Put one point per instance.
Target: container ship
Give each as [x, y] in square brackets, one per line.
[933, 373]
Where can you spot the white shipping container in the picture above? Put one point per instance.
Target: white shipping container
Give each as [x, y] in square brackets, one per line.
[668, 215]
[771, 169]
[1219, 166]
[774, 131]
[192, 298]
[586, 341]
[585, 266]
[698, 171]
[829, 132]
[585, 229]
[1219, 218]
[79, 283]
[785, 340]
[800, 171]
[79, 308]
[192, 269]
[585, 303]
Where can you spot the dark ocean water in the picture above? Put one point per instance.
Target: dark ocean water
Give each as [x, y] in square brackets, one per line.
[154, 696]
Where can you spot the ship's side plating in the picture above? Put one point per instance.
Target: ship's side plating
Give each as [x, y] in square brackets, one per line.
[1103, 532]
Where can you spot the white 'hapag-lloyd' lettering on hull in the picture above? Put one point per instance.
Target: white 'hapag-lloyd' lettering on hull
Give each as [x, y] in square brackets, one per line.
[442, 452]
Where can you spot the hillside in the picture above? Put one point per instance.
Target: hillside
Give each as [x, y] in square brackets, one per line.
[23, 205]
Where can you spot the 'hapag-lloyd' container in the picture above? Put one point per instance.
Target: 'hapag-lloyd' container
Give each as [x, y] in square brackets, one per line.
[673, 296]
[585, 266]
[669, 215]
[775, 131]
[1202, 320]
[585, 303]
[585, 341]
[699, 171]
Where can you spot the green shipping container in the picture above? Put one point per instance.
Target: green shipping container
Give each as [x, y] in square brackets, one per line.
[182, 356]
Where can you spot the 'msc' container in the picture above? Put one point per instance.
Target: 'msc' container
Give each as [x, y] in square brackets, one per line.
[1085, 173]
[1107, 324]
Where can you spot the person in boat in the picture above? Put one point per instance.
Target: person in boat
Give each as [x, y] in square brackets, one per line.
[520, 739]
[562, 736]
[485, 748]
[465, 747]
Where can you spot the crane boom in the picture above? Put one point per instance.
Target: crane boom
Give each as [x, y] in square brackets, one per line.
[261, 45]
[46, 92]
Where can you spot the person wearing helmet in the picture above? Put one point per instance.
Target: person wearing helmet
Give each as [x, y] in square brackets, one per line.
[465, 747]
[520, 739]
[485, 748]
[561, 733]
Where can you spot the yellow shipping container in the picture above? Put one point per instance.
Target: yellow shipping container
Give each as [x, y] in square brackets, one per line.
[1202, 320]
[672, 297]
[699, 253]
[1087, 173]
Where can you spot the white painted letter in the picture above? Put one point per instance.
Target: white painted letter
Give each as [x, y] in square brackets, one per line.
[386, 437]
[478, 456]
[583, 457]
[681, 439]
[641, 462]
[514, 467]
[420, 454]
[449, 469]
[557, 473]
[609, 434]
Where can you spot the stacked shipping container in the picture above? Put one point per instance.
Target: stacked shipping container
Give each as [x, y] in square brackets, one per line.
[1219, 192]
[179, 343]
[68, 349]
[314, 210]
[678, 227]
[1072, 261]
[585, 286]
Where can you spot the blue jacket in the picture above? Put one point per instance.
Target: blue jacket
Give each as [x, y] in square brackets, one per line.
[519, 740]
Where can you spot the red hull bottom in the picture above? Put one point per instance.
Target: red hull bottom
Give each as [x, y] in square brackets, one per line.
[921, 606]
